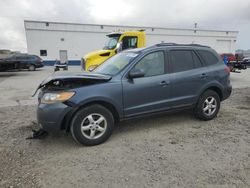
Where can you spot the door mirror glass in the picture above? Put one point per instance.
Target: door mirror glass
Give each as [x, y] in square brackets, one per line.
[119, 47]
[136, 73]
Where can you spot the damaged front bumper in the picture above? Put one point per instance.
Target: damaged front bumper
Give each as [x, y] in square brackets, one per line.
[51, 116]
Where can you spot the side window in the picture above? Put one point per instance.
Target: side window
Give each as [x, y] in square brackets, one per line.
[181, 60]
[197, 61]
[32, 58]
[24, 58]
[152, 64]
[129, 42]
[21, 58]
[208, 57]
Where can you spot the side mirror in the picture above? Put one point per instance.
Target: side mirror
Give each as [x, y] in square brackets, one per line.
[136, 73]
[118, 47]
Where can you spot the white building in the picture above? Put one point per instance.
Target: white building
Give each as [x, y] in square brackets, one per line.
[50, 40]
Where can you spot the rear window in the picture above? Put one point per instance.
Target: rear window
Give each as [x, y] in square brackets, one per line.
[196, 60]
[181, 60]
[34, 57]
[208, 57]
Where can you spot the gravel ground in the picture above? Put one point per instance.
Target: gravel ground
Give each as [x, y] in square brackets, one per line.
[173, 150]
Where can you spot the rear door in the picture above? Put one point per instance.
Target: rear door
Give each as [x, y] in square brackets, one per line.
[151, 92]
[188, 75]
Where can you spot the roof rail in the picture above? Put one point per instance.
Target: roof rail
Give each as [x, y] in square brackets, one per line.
[166, 44]
[174, 44]
[199, 45]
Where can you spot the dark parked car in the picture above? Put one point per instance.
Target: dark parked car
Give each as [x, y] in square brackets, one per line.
[134, 83]
[26, 61]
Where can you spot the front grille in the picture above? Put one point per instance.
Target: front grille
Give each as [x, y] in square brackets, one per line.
[83, 63]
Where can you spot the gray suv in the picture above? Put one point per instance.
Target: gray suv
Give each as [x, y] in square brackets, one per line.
[134, 83]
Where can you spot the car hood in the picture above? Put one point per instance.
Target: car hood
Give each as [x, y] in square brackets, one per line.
[73, 78]
[97, 53]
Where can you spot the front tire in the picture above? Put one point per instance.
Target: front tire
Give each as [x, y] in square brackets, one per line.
[208, 105]
[92, 125]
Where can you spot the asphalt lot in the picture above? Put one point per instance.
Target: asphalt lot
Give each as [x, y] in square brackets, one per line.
[174, 150]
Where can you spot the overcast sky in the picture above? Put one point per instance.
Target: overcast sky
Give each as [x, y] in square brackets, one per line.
[209, 14]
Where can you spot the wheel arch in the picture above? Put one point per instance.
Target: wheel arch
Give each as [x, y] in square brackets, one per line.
[215, 88]
[68, 117]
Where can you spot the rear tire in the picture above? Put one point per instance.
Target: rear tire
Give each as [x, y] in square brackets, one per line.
[32, 68]
[208, 106]
[92, 125]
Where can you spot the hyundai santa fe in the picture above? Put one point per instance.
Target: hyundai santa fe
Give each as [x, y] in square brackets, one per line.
[134, 83]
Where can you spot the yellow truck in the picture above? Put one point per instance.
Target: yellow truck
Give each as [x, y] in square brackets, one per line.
[117, 41]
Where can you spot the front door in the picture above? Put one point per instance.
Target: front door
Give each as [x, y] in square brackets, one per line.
[63, 56]
[149, 93]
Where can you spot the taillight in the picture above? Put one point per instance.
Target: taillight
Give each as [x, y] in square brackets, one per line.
[227, 70]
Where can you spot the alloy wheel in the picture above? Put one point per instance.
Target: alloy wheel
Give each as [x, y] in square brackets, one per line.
[93, 126]
[209, 106]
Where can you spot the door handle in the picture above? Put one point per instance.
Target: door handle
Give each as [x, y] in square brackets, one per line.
[203, 76]
[164, 83]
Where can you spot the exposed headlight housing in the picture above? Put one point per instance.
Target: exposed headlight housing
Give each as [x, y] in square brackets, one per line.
[92, 67]
[50, 98]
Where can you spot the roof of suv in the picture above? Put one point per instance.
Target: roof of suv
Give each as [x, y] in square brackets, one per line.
[160, 45]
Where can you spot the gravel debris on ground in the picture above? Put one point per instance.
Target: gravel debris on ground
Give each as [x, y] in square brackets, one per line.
[172, 150]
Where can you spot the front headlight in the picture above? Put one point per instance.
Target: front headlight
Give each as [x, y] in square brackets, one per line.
[92, 67]
[49, 98]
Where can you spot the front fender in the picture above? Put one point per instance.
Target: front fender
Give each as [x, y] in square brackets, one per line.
[104, 100]
[94, 100]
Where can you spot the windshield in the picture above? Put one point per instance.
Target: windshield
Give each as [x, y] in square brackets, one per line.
[115, 64]
[111, 43]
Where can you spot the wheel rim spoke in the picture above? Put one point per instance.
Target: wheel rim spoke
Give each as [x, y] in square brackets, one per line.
[90, 118]
[92, 133]
[205, 109]
[209, 111]
[85, 128]
[206, 101]
[100, 120]
[213, 106]
[101, 129]
[211, 101]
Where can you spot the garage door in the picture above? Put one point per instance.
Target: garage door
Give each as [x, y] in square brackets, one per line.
[223, 46]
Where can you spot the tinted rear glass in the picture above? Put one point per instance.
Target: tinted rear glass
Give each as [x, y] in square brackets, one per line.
[197, 61]
[208, 57]
[33, 57]
[181, 60]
